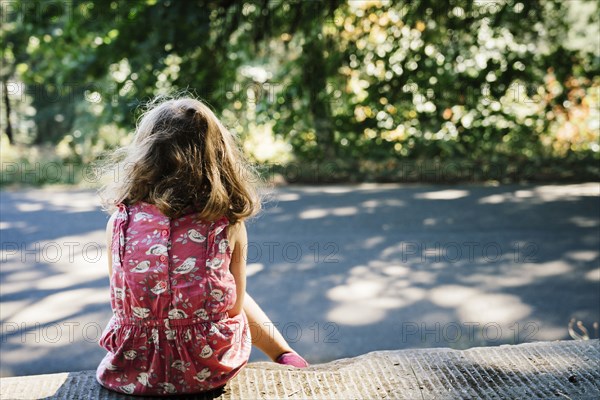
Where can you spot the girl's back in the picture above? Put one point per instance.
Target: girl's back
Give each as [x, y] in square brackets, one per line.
[171, 290]
[181, 188]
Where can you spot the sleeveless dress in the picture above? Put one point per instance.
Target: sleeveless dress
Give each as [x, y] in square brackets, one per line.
[170, 291]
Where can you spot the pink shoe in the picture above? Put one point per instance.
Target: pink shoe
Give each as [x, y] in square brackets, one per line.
[293, 359]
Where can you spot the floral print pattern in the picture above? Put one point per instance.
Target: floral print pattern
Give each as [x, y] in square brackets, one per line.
[171, 288]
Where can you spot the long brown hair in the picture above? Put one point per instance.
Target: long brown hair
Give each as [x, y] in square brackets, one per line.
[182, 156]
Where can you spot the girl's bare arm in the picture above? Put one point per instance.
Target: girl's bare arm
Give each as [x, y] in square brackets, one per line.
[109, 233]
[239, 242]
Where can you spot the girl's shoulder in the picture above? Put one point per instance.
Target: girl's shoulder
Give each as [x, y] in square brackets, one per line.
[237, 233]
[119, 212]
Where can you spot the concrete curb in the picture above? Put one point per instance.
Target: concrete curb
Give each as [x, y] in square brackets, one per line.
[560, 370]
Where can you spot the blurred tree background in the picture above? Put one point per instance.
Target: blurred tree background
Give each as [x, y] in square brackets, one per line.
[318, 91]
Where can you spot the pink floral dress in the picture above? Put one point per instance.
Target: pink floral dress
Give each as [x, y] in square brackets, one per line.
[170, 291]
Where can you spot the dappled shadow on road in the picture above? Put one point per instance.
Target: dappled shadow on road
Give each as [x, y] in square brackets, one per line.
[341, 270]
[54, 297]
[428, 266]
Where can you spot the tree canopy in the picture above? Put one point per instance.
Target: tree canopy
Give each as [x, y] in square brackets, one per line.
[363, 85]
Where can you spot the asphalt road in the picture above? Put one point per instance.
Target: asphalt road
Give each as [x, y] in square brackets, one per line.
[341, 270]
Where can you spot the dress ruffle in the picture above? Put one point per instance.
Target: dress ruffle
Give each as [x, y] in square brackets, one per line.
[183, 350]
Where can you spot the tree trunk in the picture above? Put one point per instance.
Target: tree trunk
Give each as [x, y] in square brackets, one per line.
[315, 79]
[9, 131]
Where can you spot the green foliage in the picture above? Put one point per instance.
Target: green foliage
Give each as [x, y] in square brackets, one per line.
[357, 89]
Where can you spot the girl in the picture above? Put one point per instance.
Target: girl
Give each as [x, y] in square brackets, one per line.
[178, 245]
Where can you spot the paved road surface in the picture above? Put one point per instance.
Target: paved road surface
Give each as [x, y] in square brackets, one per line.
[342, 270]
